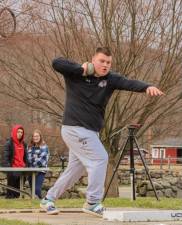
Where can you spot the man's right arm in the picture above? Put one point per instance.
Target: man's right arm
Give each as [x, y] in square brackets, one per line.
[67, 67]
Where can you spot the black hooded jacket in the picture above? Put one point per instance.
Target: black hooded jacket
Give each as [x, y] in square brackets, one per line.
[87, 97]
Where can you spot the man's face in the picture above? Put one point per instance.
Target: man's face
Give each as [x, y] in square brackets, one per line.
[102, 64]
[19, 134]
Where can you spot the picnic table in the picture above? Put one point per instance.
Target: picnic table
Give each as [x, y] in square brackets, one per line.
[24, 171]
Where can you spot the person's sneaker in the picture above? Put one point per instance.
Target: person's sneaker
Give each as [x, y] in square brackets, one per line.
[96, 209]
[48, 206]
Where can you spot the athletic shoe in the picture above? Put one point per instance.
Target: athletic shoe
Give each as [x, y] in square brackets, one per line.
[48, 206]
[96, 209]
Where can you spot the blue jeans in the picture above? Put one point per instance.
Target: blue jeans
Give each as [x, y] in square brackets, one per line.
[39, 179]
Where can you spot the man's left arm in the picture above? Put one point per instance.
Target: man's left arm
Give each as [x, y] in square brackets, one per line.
[120, 82]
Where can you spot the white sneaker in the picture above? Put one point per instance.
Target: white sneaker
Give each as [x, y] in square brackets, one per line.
[48, 206]
[96, 209]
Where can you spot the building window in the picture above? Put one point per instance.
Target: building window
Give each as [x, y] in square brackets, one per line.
[155, 153]
[162, 153]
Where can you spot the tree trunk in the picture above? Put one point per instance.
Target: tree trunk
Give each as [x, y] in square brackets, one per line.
[114, 187]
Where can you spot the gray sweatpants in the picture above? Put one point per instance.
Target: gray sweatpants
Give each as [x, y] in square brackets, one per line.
[86, 153]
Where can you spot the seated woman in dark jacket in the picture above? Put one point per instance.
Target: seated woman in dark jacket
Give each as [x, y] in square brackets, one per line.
[15, 156]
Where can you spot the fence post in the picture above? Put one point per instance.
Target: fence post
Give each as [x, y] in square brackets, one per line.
[161, 160]
[62, 158]
[169, 162]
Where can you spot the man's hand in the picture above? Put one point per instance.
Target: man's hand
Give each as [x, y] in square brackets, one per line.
[153, 91]
[88, 69]
[84, 66]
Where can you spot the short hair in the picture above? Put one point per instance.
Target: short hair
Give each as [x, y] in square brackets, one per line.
[104, 50]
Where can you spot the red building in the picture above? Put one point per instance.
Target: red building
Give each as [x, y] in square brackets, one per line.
[171, 149]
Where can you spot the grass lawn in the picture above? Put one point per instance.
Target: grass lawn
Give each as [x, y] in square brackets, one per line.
[164, 203]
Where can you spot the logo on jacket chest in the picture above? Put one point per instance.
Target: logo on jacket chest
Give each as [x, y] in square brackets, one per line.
[102, 83]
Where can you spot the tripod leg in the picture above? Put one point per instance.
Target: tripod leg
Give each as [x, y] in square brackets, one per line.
[116, 167]
[146, 168]
[132, 169]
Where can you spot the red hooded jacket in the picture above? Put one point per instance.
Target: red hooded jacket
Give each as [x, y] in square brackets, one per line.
[19, 150]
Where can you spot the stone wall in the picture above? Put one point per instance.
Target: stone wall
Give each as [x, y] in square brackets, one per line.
[167, 183]
[50, 179]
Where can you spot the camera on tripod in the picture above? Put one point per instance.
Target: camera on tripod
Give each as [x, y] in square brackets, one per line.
[134, 126]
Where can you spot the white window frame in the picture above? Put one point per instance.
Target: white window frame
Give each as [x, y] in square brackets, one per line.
[155, 153]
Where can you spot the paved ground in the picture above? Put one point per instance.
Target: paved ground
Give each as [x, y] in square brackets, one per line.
[74, 219]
